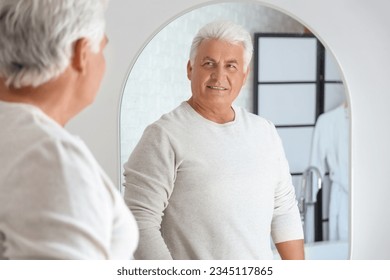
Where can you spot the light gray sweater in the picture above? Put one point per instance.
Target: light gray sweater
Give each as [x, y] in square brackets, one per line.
[202, 190]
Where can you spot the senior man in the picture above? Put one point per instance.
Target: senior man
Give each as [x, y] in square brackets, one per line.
[210, 180]
[55, 200]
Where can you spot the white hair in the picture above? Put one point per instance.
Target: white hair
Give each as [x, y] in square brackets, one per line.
[37, 37]
[226, 31]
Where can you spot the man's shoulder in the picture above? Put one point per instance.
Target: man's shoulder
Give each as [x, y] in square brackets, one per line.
[172, 120]
[254, 118]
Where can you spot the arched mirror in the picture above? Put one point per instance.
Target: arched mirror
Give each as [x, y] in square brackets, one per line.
[294, 82]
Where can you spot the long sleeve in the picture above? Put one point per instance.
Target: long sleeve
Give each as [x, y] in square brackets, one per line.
[286, 222]
[149, 180]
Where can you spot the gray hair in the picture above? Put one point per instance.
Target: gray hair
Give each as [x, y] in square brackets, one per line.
[37, 37]
[226, 31]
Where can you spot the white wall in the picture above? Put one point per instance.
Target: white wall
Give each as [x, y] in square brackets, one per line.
[357, 33]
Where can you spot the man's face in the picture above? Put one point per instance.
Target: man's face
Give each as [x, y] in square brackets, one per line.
[217, 74]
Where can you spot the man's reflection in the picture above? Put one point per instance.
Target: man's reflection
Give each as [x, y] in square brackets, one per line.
[209, 180]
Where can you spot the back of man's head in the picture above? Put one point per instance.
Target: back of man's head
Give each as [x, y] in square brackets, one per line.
[37, 36]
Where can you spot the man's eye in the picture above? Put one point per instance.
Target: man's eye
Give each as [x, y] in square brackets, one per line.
[231, 66]
[209, 63]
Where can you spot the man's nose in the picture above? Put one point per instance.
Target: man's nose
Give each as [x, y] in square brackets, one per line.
[218, 74]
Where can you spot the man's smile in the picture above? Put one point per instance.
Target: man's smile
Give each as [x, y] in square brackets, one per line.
[216, 88]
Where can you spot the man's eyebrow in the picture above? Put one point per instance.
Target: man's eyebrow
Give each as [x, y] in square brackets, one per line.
[232, 61]
[208, 58]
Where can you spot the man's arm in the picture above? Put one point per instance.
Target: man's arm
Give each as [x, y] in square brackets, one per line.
[149, 179]
[286, 227]
[291, 250]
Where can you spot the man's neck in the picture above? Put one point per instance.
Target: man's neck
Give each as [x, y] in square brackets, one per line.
[51, 98]
[217, 114]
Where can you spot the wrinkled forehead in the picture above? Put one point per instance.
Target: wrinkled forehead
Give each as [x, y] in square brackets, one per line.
[219, 49]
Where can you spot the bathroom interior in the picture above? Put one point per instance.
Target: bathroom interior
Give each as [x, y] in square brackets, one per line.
[146, 78]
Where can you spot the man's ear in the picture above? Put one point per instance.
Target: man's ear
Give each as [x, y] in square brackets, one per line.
[189, 70]
[246, 75]
[80, 54]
